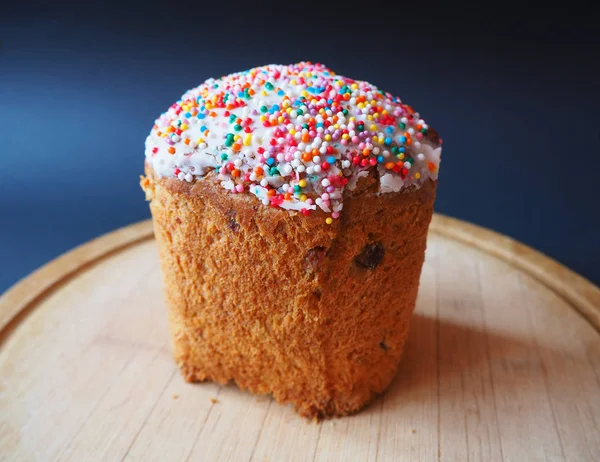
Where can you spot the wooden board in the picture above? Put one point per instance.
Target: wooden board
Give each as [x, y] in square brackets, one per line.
[502, 363]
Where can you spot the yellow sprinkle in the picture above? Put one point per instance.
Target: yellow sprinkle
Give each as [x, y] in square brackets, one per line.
[286, 104]
[354, 86]
[345, 136]
[384, 112]
[184, 127]
[200, 140]
[360, 105]
[248, 140]
[373, 102]
[376, 115]
[280, 119]
[352, 119]
[417, 175]
[329, 220]
[302, 183]
[303, 197]
[327, 137]
[264, 93]
[381, 140]
[304, 93]
[292, 131]
[293, 82]
[401, 156]
[373, 127]
[336, 126]
[263, 118]
[369, 117]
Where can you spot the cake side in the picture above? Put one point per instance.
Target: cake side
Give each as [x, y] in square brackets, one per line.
[280, 303]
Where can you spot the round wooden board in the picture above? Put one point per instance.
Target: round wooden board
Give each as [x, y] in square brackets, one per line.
[500, 365]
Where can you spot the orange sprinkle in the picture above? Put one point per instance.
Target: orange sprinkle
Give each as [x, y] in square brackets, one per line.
[237, 147]
[408, 141]
[171, 150]
[213, 114]
[271, 192]
[419, 127]
[346, 96]
[431, 166]
[366, 152]
[259, 171]
[186, 141]
[287, 196]
[305, 137]
[306, 157]
[389, 165]
[235, 173]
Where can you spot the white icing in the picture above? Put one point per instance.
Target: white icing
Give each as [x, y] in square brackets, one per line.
[297, 153]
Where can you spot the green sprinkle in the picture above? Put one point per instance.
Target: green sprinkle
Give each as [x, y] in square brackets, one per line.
[237, 128]
[224, 157]
[263, 109]
[269, 86]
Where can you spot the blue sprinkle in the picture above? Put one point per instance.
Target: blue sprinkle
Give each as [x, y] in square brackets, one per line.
[203, 128]
[241, 94]
[201, 116]
[320, 124]
[331, 160]
[280, 92]
[390, 129]
[188, 115]
[387, 141]
[270, 161]
[402, 139]
[379, 158]
[402, 149]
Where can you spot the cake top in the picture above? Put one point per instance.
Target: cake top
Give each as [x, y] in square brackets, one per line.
[294, 136]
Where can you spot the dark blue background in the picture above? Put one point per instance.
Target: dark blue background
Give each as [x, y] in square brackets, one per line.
[513, 92]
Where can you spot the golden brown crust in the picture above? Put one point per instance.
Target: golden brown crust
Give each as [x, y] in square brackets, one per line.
[278, 302]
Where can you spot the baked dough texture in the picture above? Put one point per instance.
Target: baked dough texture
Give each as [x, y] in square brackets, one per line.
[280, 303]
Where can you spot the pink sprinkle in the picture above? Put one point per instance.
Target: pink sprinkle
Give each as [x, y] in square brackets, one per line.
[355, 139]
[309, 201]
[239, 188]
[344, 142]
[325, 196]
[419, 136]
[335, 215]
[330, 189]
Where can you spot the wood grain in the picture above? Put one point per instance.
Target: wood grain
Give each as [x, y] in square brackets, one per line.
[500, 365]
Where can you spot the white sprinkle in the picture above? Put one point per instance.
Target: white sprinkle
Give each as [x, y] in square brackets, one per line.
[181, 175]
[316, 159]
[421, 157]
[317, 168]
[310, 170]
[407, 165]
[325, 182]
[189, 178]
[237, 162]
[264, 183]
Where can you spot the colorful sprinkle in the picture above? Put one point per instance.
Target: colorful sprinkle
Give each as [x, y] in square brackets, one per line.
[294, 136]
